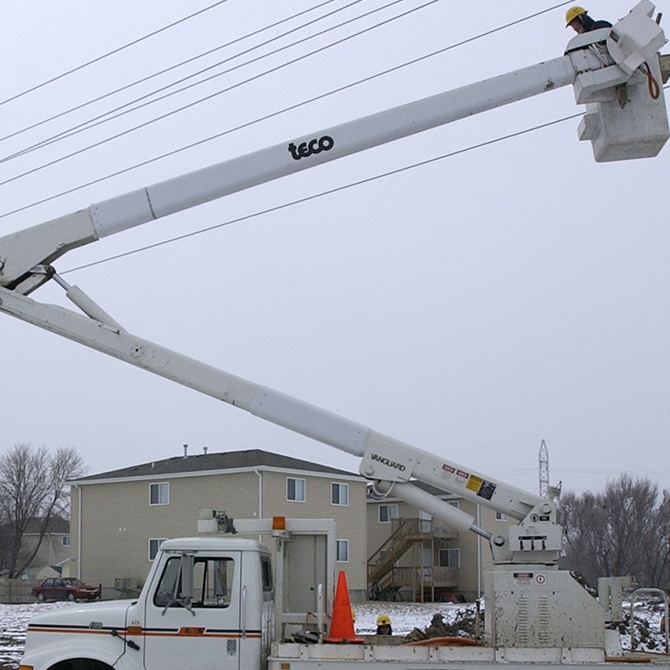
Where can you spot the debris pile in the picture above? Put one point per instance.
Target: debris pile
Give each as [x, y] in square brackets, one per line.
[463, 624]
[649, 629]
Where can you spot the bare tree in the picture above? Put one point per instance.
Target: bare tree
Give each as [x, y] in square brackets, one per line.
[659, 547]
[622, 531]
[32, 491]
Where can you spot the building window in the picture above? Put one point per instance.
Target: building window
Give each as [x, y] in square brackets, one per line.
[154, 543]
[501, 517]
[450, 558]
[339, 494]
[387, 513]
[65, 540]
[343, 551]
[454, 503]
[159, 494]
[295, 489]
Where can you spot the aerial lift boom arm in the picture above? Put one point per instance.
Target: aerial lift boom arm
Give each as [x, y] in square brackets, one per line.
[593, 74]
[384, 459]
[26, 258]
[46, 242]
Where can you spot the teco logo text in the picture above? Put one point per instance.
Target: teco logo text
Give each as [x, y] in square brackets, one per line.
[314, 146]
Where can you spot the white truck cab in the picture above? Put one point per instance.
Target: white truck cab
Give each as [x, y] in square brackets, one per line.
[207, 601]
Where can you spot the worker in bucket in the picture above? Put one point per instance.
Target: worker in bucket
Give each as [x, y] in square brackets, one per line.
[578, 19]
[384, 625]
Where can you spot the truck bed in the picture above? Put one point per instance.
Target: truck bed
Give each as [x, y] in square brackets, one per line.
[290, 656]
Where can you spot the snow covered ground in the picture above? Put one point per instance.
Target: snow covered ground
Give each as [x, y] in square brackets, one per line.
[13, 625]
[404, 618]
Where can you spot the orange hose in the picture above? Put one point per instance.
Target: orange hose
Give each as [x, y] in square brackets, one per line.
[654, 88]
[452, 640]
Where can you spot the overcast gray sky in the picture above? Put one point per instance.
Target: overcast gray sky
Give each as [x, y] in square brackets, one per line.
[472, 307]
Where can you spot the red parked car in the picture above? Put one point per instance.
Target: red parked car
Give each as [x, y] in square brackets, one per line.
[65, 588]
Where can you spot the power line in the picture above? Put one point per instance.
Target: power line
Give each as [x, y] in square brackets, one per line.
[322, 194]
[106, 116]
[111, 53]
[213, 95]
[110, 115]
[286, 109]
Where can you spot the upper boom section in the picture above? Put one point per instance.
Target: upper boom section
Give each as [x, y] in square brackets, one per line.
[42, 244]
[595, 72]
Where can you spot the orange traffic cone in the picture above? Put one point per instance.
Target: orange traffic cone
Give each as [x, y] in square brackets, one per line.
[342, 627]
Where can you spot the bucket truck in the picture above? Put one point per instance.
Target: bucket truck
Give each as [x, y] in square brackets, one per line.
[534, 612]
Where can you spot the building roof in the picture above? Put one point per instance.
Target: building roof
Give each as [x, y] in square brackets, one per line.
[56, 524]
[202, 463]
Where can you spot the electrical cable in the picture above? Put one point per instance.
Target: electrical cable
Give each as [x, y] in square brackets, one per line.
[110, 116]
[213, 95]
[163, 71]
[282, 111]
[112, 52]
[107, 116]
[654, 88]
[322, 194]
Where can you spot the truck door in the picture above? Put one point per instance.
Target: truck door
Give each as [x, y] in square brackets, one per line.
[192, 616]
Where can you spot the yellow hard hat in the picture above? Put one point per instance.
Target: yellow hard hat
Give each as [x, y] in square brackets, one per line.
[383, 620]
[572, 14]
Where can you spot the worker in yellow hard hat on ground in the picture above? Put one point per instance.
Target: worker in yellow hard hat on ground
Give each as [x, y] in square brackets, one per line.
[578, 19]
[384, 625]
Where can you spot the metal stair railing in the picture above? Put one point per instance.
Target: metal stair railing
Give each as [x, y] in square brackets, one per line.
[406, 533]
[381, 562]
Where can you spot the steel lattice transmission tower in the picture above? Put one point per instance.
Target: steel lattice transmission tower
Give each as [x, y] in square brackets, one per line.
[544, 469]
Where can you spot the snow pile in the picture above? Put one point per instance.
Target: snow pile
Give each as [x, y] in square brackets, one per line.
[405, 617]
[649, 632]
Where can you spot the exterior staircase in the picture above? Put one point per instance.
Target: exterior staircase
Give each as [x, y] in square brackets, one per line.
[384, 575]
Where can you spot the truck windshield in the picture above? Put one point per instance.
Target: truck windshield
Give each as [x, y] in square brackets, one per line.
[212, 580]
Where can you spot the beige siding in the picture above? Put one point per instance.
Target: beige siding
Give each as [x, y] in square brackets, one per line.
[118, 519]
[317, 505]
[378, 532]
[468, 544]
[349, 518]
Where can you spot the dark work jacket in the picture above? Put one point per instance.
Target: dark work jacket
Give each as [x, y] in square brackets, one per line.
[589, 24]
